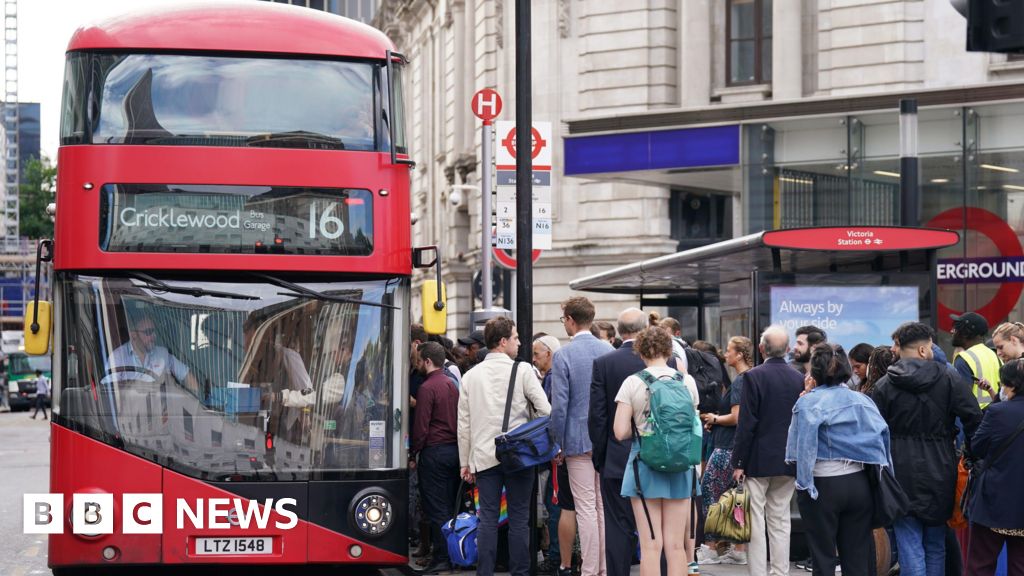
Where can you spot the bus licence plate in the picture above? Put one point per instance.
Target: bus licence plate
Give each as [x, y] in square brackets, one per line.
[209, 546]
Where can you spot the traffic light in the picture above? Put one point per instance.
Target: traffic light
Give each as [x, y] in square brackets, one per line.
[995, 26]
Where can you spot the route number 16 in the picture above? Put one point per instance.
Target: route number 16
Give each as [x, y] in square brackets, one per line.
[330, 226]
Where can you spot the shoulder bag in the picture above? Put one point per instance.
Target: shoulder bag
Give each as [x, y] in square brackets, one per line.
[890, 501]
[527, 445]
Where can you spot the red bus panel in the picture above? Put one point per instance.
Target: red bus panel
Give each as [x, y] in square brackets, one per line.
[99, 468]
[85, 169]
[104, 469]
[233, 28]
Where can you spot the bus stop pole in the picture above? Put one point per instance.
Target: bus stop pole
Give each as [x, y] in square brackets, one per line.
[524, 217]
[524, 182]
[485, 215]
[910, 186]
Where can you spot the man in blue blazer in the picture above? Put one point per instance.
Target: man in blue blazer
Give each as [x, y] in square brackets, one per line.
[571, 371]
[610, 455]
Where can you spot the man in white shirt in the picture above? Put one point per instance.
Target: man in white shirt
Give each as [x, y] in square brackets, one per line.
[141, 359]
[481, 413]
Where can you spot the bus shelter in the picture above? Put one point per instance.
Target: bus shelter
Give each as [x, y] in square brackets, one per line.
[857, 283]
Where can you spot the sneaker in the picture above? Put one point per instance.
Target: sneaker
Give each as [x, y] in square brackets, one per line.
[733, 556]
[564, 571]
[804, 564]
[708, 555]
[693, 568]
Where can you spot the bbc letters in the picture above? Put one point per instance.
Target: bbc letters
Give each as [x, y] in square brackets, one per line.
[93, 513]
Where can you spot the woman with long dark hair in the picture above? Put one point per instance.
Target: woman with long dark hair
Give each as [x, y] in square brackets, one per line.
[834, 433]
[878, 363]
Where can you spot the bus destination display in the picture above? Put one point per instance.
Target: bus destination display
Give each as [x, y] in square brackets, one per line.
[236, 220]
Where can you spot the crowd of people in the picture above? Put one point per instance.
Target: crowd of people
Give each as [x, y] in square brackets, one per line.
[810, 422]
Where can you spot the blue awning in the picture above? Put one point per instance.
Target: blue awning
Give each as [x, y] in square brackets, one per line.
[654, 150]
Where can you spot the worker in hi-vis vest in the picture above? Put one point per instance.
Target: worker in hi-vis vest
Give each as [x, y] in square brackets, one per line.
[977, 363]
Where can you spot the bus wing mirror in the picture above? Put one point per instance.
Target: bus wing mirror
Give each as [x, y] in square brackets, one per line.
[432, 294]
[37, 332]
[435, 320]
[39, 317]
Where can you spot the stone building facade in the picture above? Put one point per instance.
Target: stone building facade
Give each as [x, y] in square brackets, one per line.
[810, 72]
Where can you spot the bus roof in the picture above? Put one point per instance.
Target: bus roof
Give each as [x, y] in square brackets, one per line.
[263, 27]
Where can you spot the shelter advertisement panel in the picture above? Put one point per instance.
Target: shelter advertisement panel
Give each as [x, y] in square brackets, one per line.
[849, 315]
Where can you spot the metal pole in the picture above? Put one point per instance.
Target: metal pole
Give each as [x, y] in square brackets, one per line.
[524, 181]
[485, 216]
[910, 187]
[524, 217]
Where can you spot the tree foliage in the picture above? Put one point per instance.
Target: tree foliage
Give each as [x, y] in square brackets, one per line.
[38, 186]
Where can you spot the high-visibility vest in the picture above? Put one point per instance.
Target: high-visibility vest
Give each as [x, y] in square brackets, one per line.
[984, 364]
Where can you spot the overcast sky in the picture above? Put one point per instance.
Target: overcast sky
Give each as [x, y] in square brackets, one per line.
[44, 28]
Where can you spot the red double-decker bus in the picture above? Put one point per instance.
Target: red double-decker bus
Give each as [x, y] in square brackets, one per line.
[231, 289]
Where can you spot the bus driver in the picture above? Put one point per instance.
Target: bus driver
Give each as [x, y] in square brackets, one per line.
[142, 352]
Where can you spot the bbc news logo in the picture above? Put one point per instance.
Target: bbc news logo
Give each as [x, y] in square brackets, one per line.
[92, 514]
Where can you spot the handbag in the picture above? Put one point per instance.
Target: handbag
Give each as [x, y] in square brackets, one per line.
[976, 470]
[460, 534]
[958, 520]
[890, 501]
[729, 518]
[526, 445]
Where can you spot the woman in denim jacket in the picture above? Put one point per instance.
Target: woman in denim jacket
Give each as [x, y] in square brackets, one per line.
[834, 433]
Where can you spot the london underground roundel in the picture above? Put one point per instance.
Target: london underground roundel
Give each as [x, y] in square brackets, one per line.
[973, 269]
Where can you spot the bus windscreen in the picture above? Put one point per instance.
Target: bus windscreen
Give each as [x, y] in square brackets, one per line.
[236, 220]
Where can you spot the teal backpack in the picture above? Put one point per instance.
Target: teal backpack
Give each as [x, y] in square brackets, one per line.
[674, 441]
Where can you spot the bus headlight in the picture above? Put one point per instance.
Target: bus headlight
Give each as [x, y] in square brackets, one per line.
[372, 514]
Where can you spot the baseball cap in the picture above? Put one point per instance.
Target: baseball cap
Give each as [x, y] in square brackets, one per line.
[970, 324]
[475, 337]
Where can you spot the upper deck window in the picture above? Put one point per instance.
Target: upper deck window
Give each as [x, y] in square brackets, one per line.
[202, 100]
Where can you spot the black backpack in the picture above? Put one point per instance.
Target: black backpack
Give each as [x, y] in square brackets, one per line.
[710, 376]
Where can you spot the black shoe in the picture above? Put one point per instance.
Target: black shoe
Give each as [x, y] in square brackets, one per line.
[547, 567]
[804, 564]
[564, 571]
[436, 568]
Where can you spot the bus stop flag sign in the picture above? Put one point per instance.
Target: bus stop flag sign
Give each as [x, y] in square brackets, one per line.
[540, 150]
[486, 104]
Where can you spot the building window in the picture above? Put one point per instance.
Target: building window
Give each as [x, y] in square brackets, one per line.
[699, 219]
[749, 42]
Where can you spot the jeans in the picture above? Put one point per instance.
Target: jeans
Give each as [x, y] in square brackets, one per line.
[439, 487]
[922, 548]
[518, 487]
[554, 556]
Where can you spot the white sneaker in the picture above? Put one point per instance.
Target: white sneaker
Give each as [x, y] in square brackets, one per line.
[733, 556]
[708, 555]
